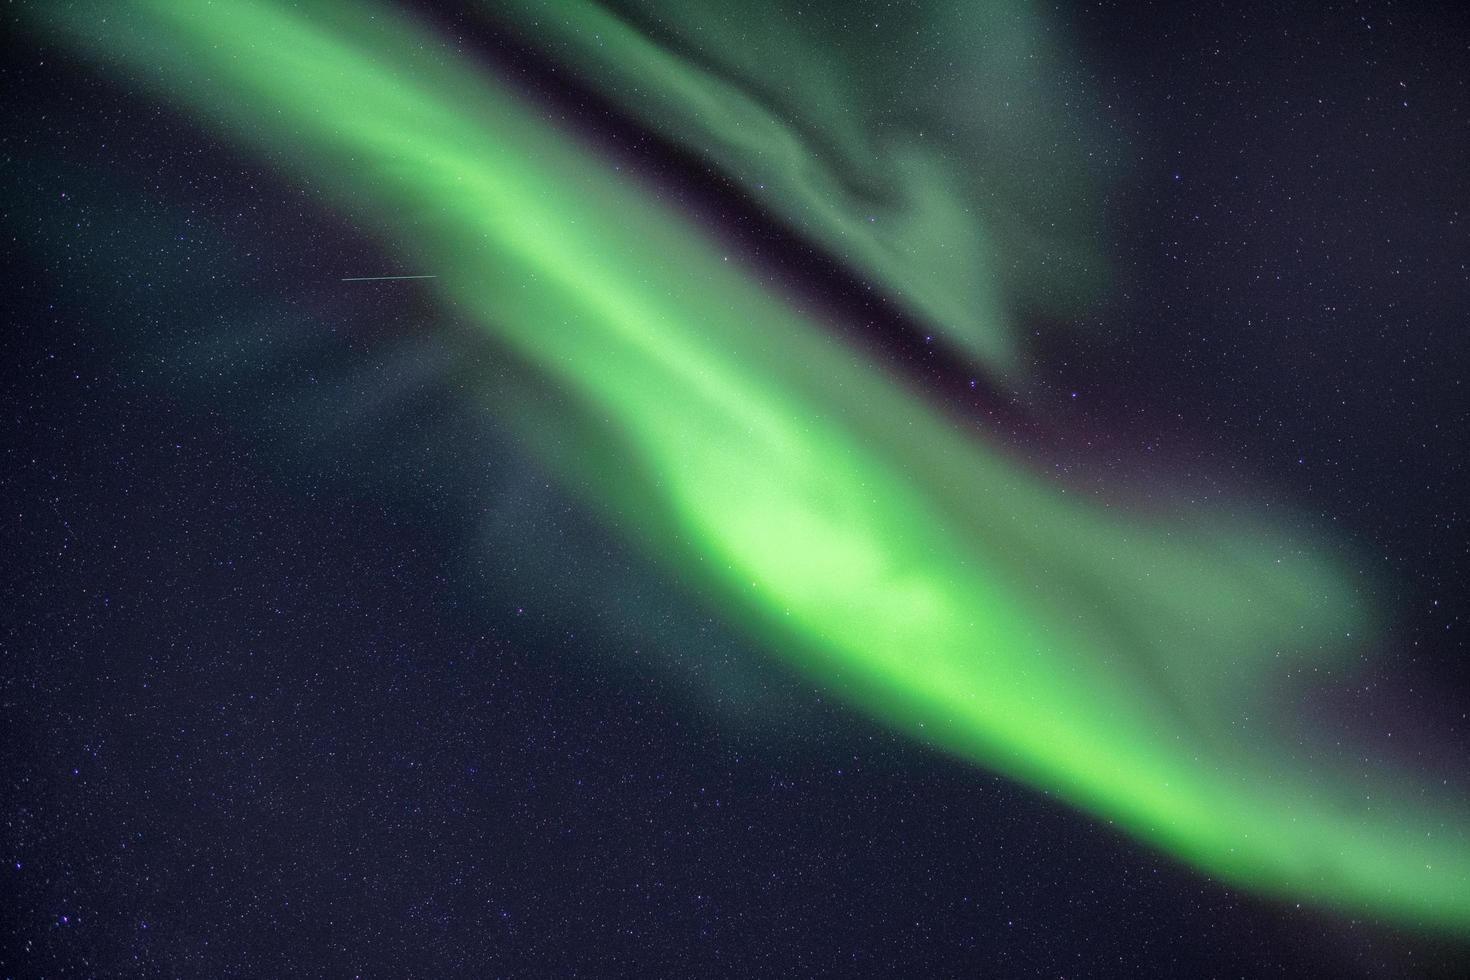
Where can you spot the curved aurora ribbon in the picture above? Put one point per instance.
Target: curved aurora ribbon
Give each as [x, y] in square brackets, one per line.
[836, 120]
[1112, 660]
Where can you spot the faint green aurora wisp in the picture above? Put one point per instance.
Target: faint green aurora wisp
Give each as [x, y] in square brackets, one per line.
[942, 150]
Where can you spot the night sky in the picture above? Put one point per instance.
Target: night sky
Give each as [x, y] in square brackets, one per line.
[313, 665]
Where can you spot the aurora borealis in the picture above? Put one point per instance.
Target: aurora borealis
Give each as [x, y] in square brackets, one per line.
[1139, 662]
[861, 148]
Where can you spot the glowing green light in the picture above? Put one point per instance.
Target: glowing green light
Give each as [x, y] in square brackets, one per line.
[1124, 663]
[961, 191]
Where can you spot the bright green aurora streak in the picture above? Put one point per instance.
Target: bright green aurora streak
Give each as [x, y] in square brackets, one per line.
[1121, 663]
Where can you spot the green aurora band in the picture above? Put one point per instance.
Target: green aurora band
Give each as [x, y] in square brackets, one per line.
[1128, 665]
[919, 143]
